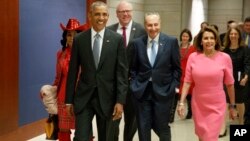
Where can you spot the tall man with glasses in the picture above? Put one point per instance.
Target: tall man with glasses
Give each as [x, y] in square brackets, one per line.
[130, 30]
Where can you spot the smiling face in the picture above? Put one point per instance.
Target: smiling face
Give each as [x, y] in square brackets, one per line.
[98, 17]
[124, 13]
[185, 38]
[234, 36]
[208, 41]
[152, 25]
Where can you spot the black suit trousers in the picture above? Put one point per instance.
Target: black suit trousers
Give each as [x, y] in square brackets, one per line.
[130, 125]
[153, 113]
[83, 122]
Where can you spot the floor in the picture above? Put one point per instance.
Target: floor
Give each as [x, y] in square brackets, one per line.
[181, 129]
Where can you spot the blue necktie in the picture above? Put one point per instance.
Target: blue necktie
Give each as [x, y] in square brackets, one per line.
[96, 49]
[153, 52]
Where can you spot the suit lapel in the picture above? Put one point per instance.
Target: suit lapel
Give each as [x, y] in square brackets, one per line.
[105, 47]
[88, 47]
[132, 32]
[115, 27]
[161, 48]
[144, 49]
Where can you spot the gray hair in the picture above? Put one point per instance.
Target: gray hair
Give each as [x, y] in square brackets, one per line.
[151, 13]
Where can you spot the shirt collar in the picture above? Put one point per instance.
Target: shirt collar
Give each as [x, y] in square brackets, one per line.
[101, 33]
[127, 27]
[156, 39]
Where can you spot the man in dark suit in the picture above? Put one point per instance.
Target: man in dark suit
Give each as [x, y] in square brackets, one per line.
[133, 30]
[102, 84]
[246, 39]
[155, 73]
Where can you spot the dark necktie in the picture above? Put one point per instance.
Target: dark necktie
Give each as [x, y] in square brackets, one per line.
[124, 35]
[96, 49]
[153, 52]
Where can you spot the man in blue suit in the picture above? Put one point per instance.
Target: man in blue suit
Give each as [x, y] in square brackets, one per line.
[155, 73]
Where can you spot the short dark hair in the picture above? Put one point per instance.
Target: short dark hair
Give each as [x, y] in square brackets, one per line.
[204, 23]
[247, 19]
[198, 41]
[229, 22]
[188, 32]
[215, 27]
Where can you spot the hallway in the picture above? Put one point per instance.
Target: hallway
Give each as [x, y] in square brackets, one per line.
[182, 130]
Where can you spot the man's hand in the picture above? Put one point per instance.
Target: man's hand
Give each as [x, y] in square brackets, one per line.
[118, 110]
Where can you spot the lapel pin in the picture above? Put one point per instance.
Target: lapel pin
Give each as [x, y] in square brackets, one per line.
[107, 41]
[133, 28]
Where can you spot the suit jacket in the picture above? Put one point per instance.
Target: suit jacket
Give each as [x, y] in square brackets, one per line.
[110, 78]
[166, 71]
[137, 30]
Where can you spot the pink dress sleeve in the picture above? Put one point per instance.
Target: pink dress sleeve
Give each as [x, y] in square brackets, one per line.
[188, 72]
[228, 71]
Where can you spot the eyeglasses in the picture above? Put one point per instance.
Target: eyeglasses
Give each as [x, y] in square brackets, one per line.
[124, 11]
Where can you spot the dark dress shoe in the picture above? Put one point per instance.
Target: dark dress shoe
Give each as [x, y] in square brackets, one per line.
[224, 134]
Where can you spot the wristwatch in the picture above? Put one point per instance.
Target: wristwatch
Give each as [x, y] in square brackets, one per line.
[232, 106]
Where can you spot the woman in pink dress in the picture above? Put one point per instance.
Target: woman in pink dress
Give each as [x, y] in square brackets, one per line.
[66, 122]
[208, 69]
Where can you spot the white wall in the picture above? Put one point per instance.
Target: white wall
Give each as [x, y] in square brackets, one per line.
[220, 11]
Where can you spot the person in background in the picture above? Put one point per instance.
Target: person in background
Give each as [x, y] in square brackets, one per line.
[66, 123]
[234, 47]
[130, 30]
[155, 73]
[215, 27]
[185, 50]
[246, 39]
[230, 24]
[246, 32]
[240, 25]
[202, 26]
[103, 82]
[208, 69]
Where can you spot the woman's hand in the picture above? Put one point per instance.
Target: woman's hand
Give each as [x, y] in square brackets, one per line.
[181, 110]
[232, 113]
